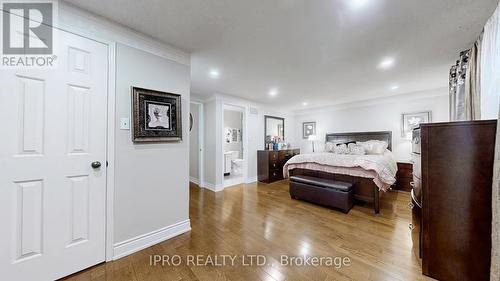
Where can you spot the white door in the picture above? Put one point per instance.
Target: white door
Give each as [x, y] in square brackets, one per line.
[53, 126]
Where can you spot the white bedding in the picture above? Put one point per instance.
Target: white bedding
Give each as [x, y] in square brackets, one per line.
[382, 167]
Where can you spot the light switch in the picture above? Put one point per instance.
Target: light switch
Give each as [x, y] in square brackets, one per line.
[124, 124]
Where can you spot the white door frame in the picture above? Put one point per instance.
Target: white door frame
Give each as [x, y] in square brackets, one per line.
[110, 153]
[244, 125]
[201, 143]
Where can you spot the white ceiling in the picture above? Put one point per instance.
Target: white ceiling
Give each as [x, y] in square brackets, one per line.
[316, 51]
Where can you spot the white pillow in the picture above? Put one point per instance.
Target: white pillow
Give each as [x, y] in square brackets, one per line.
[380, 147]
[374, 146]
[329, 147]
[340, 149]
[356, 149]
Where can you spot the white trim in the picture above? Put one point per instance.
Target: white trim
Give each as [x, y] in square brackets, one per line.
[228, 106]
[141, 242]
[194, 180]
[219, 142]
[110, 157]
[251, 179]
[201, 142]
[213, 187]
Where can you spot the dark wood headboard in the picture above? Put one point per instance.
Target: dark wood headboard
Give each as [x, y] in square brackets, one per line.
[361, 136]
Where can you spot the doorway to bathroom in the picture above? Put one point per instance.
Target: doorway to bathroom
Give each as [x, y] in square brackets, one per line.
[234, 160]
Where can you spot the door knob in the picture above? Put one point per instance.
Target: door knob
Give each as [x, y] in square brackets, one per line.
[96, 164]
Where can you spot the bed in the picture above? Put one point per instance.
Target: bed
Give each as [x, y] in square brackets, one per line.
[370, 174]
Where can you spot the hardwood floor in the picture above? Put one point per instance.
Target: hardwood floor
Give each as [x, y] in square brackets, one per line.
[261, 219]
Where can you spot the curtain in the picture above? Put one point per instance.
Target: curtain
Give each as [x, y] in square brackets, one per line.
[465, 85]
[490, 65]
[473, 82]
[490, 87]
[458, 75]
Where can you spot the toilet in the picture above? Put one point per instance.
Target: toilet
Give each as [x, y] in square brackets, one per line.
[236, 163]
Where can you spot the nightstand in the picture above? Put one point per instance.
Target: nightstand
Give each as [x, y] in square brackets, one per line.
[404, 176]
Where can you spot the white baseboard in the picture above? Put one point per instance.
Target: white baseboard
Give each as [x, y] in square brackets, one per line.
[251, 179]
[213, 187]
[140, 242]
[194, 180]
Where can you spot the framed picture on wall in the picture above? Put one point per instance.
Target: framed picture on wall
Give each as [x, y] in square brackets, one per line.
[308, 129]
[156, 116]
[228, 135]
[411, 121]
[232, 135]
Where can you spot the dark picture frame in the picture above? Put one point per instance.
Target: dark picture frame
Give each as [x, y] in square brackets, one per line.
[308, 129]
[156, 116]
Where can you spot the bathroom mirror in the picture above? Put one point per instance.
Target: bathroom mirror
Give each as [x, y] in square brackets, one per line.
[274, 128]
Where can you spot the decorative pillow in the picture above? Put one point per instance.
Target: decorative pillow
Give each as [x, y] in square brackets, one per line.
[380, 147]
[356, 149]
[329, 147]
[374, 146]
[341, 149]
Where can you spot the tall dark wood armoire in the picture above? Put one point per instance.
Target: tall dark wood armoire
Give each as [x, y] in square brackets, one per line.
[454, 162]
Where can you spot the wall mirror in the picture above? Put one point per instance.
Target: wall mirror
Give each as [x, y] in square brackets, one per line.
[274, 129]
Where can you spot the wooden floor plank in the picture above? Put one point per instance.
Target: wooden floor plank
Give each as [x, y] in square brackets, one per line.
[261, 219]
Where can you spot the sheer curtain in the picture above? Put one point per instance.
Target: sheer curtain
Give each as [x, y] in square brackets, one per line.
[490, 64]
[490, 88]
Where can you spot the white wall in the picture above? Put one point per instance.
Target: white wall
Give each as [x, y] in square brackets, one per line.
[233, 120]
[194, 144]
[150, 179]
[375, 115]
[213, 136]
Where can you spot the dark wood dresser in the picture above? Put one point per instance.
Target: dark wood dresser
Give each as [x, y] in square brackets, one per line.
[453, 182]
[270, 163]
[404, 176]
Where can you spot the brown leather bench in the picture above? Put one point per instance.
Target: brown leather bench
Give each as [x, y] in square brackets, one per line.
[326, 192]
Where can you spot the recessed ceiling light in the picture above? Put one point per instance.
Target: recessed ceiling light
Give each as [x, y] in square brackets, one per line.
[304, 103]
[395, 87]
[214, 74]
[386, 63]
[357, 4]
[273, 92]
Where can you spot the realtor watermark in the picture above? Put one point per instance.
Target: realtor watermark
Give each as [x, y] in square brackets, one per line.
[28, 37]
[248, 260]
